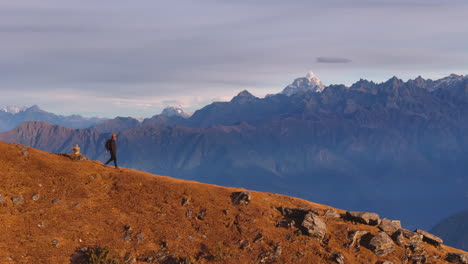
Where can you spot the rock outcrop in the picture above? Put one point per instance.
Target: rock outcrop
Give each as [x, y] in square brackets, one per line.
[381, 244]
[390, 226]
[314, 226]
[430, 238]
[364, 217]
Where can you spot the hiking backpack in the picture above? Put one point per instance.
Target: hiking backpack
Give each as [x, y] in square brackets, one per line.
[108, 145]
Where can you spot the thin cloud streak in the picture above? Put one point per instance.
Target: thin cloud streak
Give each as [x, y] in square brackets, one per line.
[332, 60]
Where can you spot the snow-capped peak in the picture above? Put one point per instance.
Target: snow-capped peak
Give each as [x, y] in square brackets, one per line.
[12, 109]
[174, 111]
[308, 83]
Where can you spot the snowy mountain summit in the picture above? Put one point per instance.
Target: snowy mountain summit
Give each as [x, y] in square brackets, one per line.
[12, 109]
[309, 83]
[174, 111]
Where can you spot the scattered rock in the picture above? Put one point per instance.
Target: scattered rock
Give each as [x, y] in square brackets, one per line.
[430, 238]
[129, 259]
[287, 224]
[338, 258]
[56, 200]
[25, 153]
[188, 213]
[270, 256]
[296, 213]
[17, 200]
[164, 244]
[314, 226]
[127, 237]
[258, 238]
[240, 198]
[390, 226]
[355, 238]
[405, 237]
[156, 257]
[55, 242]
[415, 254]
[244, 245]
[35, 197]
[40, 224]
[458, 258]
[140, 237]
[185, 201]
[202, 214]
[128, 233]
[331, 213]
[2, 200]
[381, 244]
[384, 262]
[364, 218]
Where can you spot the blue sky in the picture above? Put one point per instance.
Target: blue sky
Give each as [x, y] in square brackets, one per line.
[133, 58]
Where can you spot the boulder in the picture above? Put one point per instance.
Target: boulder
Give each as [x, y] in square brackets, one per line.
[55, 242]
[458, 258]
[314, 226]
[390, 226]
[416, 254]
[35, 197]
[405, 237]
[364, 217]
[240, 198]
[355, 238]
[17, 200]
[270, 256]
[338, 258]
[430, 238]
[296, 213]
[331, 213]
[381, 244]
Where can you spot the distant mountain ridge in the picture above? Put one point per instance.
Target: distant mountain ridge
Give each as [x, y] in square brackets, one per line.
[12, 116]
[12, 109]
[343, 146]
[454, 230]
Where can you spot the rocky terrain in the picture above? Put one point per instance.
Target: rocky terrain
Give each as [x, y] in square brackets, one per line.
[54, 207]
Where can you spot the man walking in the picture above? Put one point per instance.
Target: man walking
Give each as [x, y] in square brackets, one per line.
[111, 146]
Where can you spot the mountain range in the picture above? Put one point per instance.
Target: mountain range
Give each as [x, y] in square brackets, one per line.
[12, 116]
[397, 148]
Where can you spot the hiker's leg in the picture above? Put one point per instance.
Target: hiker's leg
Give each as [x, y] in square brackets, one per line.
[110, 159]
[114, 156]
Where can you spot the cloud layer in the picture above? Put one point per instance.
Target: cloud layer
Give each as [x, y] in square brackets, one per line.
[126, 58]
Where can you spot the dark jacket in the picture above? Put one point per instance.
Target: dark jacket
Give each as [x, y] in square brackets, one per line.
[113, 146]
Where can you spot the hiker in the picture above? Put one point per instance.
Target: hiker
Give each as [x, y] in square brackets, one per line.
[111, 147]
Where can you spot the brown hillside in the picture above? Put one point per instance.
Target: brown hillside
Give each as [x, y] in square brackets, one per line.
[69, 205]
